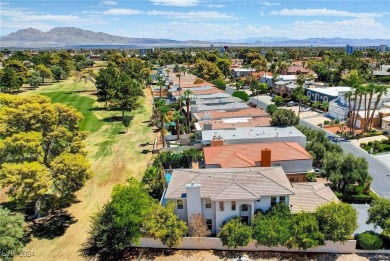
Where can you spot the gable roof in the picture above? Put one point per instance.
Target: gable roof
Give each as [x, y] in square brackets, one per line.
[223, 114]
[230, 184]
[308, 196]
[246, 155]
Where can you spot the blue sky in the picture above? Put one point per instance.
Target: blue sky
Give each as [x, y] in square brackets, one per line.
[204, 19]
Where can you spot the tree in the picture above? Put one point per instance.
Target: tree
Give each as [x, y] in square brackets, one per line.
[301, 79]
[126, 122]
[380, 90]
[272, 229]
[187, 94]
[57, 72]
[44, 72]
[235, 234]
[11, 233]
[162, 110]
[126, 93]
[224, 66]
[271, 109]
[34, 79]
[305, 232]
[317, 150]
[379, 215]
[345, 170]
[9, 81]
[154, 180]
[278, 100]
[284, 118]
[163, 224]
[259, 64]
[207, 70]
[242, 95]
[220, 83]
[161, 83]
[105, 83]
[27, 182]
[198, 227]
[337, 221]
[69, 173]
[177, 117]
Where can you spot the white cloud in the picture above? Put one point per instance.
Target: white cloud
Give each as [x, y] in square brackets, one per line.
[4, 3]
[215, 6]
[265, 3]
[322, 12]
[192, 15]
[179, 3]
[109, 3]
[122, 11]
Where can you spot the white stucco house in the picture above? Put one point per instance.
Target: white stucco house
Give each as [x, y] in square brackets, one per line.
[220, 194]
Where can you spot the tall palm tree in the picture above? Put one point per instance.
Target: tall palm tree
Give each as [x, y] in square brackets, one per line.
[348, 96]
[160, 82]
[370, 91]
[187, 94]
[359, 90]
[177, 117]
[163, 110]
[379, 90]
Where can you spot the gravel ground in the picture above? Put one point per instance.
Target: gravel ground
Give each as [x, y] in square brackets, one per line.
[193, 255]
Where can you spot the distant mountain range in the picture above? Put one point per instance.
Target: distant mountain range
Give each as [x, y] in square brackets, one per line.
[73, 37]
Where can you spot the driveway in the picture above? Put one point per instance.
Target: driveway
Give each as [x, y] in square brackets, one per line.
[262, 101]
[362, 218]
[377, 169]
[384, 158]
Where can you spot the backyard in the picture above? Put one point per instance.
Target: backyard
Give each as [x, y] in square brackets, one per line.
[114, 155]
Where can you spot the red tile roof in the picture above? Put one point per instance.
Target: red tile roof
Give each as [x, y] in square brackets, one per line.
[247, 155]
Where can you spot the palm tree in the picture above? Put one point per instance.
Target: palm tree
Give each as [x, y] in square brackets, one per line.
[187, 94]
[163, 110]
[324, 106]
[177, 117]
[316, 104]
[379, 90]
[348, 96]
[160, 83]
[359, 90]
[370, 91]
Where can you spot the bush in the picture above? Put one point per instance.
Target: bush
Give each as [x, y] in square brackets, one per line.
[355, 199]
[363, 144]
[369, 240]
[311, 177]
[326, 122]
[336, 121]
[241, 94]
[370, 143]
[384, 141]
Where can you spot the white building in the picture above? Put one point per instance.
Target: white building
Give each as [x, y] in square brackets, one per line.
[220, 194]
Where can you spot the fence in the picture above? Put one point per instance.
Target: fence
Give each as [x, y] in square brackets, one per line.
[212, 243]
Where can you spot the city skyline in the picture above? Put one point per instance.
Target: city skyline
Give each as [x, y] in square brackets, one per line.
[204, 20]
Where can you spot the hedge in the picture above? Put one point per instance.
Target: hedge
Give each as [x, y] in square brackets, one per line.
[369, 240]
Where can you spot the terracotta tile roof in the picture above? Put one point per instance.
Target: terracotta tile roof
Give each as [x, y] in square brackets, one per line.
[200, 92]
[249, 155]
[245, 122]
[248, 112]
[308, 196]
[296, 68]
[230, 184]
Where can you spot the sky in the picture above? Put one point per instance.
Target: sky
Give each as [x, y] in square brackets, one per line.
[204, 19]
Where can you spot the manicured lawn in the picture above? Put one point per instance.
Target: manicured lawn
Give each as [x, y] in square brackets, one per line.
[115, 156]
[383, 148]
[82, 104]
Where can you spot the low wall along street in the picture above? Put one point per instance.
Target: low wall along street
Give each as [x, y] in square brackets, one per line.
[212, 243]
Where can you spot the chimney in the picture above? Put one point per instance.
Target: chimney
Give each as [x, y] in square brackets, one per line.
[266, 157]
[217, 141]
[194, 201]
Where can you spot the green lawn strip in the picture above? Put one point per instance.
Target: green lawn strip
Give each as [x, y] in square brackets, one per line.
[83, 104]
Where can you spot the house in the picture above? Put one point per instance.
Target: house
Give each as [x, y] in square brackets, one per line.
[220, 194]
[246, 135]
[297, 69]
[293, 158]
[227, 114]
[325, 94]
[242, 72]
[231, 123]
[227, 106]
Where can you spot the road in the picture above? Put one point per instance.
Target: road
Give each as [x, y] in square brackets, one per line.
[379, 171]
[262, 101]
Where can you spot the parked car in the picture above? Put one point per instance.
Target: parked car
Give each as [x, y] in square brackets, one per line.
[292, 103]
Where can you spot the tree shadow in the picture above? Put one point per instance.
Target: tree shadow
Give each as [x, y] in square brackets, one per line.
[265, 255]
[144, 144]
[145, 151]
[51, 226]
[98, 109]
[113, 119]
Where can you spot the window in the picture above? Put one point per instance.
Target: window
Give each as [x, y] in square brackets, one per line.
[282, 199]
[208, 203]
[309, 95]
[325, 98]
[293, 178]
[209, 224]
[179, 204]
[221, 206]
[233, 205]
[273, 201]
[316, 97]
[244, 207]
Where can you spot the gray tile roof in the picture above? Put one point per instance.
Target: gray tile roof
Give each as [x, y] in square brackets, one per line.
[230, 184]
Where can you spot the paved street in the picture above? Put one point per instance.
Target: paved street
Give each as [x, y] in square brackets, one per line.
[377, 169]
[262, 101]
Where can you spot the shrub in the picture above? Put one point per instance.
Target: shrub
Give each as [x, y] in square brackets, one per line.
[241, 94]
[311, 177]
[355, 199]
[336, 121]
[363, 144]
[369, 240]
[326, 122]
[370, 143]
[384, 141]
